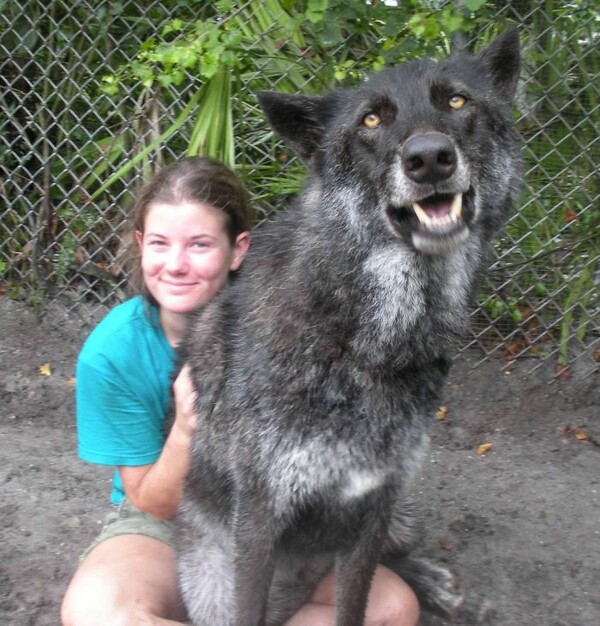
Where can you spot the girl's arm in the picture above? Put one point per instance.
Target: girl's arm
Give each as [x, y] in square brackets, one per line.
[157, 488]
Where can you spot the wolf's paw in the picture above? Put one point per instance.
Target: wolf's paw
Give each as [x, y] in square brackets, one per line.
[435, 585]
[440, 588]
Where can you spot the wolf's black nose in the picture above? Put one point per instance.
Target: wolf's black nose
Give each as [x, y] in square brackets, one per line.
[429, 158]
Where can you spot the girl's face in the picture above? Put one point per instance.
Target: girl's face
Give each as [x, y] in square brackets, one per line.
[186, 254]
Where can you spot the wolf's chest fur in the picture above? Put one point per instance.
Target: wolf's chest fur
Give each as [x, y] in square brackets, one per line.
[335, 476]
[419, 307]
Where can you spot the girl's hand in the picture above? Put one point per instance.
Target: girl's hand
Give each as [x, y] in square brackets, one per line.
[156, 488]
[186, 420]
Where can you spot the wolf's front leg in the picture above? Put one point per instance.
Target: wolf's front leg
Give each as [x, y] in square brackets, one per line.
[255, 556]
[355, 567]
[205, 566]
[435, 585]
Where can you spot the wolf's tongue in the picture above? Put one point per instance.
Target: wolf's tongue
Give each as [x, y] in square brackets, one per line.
[437, 206]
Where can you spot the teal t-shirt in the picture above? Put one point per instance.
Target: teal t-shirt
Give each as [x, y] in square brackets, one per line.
[123, 389]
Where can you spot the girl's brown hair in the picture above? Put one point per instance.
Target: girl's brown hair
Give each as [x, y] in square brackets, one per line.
[199, 180]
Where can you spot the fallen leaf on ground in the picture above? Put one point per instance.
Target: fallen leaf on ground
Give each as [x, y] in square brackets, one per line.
[483, 448]
[570, 216]
[447, 544]
[562, 372]
[441, 413]
[512, 350]
[579, 434]
[45, 369]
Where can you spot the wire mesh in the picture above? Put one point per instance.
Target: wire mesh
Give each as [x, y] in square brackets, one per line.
[63, 133]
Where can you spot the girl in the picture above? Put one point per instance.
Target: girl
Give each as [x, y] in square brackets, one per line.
[189, 233]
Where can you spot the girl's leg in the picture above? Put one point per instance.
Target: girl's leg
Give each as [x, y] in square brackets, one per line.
[391, 603]
[128, 580]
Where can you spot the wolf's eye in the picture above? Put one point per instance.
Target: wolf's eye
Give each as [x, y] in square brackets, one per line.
[457, 102]
[371, 120]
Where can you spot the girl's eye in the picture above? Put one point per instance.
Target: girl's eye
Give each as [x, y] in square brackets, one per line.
[457, 102]
[371, 120]
[200, 244]
[157, 243]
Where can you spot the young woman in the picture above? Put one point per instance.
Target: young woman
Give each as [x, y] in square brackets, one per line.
[189, 232]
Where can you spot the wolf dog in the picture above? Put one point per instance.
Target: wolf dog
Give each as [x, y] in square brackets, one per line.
[318, 368]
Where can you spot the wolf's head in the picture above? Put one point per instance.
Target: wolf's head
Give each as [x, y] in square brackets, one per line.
[423, 153]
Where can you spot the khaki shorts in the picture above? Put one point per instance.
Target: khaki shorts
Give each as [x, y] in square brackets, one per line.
[126, 519]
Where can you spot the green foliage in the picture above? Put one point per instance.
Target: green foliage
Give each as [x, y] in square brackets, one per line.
[559, 219]
[473, 5]
[189, 88]
[261, 43]
[63, 258]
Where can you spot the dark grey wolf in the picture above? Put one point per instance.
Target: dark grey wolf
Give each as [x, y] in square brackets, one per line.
[319, 367]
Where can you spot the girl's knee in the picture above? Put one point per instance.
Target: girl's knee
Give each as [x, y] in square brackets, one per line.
[392, 602]
[92, 599]
[124, 581]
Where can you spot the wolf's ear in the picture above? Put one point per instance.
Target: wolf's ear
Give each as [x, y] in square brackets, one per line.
[298, 119]
[502, 61]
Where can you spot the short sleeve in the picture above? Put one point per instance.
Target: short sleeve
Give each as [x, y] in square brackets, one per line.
[115, 426]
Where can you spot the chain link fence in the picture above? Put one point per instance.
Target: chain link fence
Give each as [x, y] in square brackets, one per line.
[78, 112]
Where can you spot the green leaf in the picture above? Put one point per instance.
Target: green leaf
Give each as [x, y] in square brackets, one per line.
[474, 5]
[417, 24]
[232, 37]
[378, 64]
[172, 26]
[230, 59]
[315, 10]
[453, 23]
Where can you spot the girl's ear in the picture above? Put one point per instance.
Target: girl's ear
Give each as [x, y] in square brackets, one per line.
[242, 243]
[139, 238]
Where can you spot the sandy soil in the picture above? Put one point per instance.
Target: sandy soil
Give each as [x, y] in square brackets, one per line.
[520, 525]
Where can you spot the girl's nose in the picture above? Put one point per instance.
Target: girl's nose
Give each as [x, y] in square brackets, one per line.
[177, 261]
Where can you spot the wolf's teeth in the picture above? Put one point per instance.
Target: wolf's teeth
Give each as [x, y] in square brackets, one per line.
[421, 215]
[456, 209]
[450, 218]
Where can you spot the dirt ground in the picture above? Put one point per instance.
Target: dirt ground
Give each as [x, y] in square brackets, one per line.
[520, 525]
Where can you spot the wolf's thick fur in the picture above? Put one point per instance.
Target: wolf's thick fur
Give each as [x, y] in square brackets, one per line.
[319, 367]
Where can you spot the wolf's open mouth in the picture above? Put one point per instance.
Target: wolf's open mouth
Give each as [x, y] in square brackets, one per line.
[438, 215]
[439, 212]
